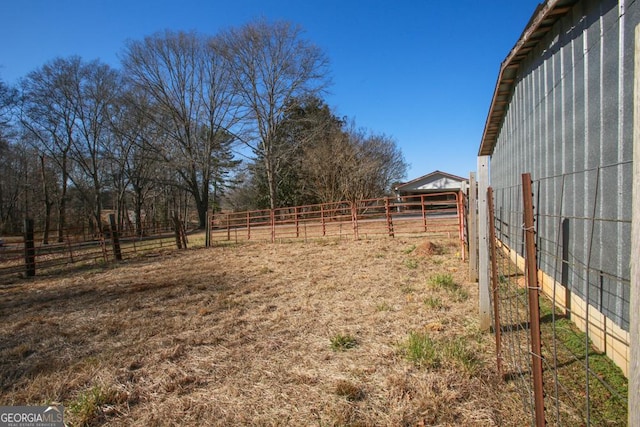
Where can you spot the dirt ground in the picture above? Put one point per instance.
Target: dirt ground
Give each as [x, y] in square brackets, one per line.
[300, 334]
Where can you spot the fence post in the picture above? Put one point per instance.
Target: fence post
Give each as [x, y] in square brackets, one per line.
[115, 237]
[534, 299]
[497, 326]
[295, 213]
[387, 211]
[634, 305]
[424, 212]
[460, 211]
[29, 248]
[473, 228]
[483, 244]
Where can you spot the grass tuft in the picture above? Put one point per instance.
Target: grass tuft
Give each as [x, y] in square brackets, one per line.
[411, 263]
[459, 352]
[443, 281]
[409, 249]
[420, 349]
[434, 302]
[340, 342]
[88, 408]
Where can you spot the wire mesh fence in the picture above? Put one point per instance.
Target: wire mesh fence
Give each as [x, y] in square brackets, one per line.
[581, 292]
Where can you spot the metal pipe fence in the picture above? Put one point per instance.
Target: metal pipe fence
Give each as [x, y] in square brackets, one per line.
[430, 214]
[581, 293]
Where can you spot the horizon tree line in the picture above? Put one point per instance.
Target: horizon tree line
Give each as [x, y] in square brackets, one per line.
[190, 122]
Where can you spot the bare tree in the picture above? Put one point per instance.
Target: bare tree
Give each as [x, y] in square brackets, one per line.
[185, 79]
[351, 164]
[272, 65]
[373, 165]
[48, 114]
[135, 161]
[65, 111]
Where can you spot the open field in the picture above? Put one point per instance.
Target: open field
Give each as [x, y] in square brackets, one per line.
[332, 332]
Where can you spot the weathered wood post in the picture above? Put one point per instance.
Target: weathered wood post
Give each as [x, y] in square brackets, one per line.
[473, 228]
[483, 244]
[29, 248]
[115, 237]
[634, 304]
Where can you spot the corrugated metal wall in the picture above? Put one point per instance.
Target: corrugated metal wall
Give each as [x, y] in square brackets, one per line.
[570, 124]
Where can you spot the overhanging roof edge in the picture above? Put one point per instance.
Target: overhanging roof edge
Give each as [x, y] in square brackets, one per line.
[549, 10]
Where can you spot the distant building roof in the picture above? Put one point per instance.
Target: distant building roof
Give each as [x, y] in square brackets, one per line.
[435, 181]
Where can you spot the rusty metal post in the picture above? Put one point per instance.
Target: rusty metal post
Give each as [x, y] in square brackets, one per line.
[534, 299]
[324, 228]
[295, 213]
[424, 213]
[497, 326]
[387, 210]
[228, 228]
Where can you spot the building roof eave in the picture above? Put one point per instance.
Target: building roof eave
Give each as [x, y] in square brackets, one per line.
[542, 20]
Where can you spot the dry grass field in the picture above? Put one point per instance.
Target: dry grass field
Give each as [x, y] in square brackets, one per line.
[326, 333]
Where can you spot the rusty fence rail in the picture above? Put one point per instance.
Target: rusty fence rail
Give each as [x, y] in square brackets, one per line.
[28, 255]
[441, 214]
[569, 358]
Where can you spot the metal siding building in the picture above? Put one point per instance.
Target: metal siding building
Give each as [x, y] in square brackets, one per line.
[563, 111]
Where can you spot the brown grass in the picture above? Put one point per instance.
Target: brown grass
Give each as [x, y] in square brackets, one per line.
[242, 335]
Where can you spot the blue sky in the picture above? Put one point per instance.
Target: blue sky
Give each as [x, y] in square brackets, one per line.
[420, 71]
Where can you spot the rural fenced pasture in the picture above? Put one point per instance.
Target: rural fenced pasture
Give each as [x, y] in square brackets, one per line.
[328, 332]
[437, 216]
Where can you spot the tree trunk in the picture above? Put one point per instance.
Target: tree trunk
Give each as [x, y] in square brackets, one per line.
[47, 204]
[62, 207]
[138, 210]
[271, 179]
